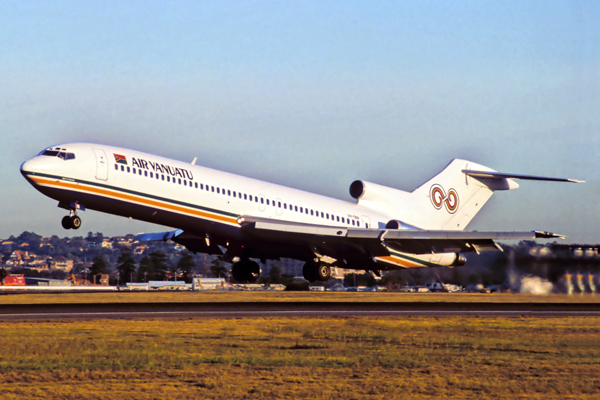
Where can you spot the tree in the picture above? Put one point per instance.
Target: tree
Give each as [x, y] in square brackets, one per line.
[126, 266]
[186, 265]
[98, 267]
[217, 269]
[3, 274]
[159, 265]
[145, 269]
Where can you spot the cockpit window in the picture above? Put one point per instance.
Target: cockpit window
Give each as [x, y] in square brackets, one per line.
[60, 153]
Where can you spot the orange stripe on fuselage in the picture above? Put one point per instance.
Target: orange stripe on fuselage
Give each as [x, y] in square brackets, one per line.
[131, 198]
[400, 261]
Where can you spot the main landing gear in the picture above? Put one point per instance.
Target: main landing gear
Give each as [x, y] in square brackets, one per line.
[71, 221]
[245, 271]
[316, 271]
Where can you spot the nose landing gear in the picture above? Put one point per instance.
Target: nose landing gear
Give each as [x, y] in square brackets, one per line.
[71, 221]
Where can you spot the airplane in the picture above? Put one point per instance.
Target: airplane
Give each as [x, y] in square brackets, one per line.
[242, 219]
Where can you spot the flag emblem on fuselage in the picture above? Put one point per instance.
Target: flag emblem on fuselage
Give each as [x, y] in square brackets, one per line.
[120, 159]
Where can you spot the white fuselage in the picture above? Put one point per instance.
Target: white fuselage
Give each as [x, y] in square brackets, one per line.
[204, 194]
[198, 200]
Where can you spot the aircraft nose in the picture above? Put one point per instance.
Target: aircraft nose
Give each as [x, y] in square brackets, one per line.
[30, 166]
[26, 167]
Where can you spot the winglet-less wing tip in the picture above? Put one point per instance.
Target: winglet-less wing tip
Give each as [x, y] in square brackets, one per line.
[548, 235]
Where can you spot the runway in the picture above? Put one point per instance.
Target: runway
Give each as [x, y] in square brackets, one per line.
[32, 312]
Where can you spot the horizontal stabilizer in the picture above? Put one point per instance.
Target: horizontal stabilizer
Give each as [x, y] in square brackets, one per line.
[501, 175]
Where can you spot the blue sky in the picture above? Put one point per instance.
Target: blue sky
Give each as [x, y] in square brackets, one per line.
[313, 95]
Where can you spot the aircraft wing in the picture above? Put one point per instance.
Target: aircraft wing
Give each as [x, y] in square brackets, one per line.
[342, 242]
[410, 241]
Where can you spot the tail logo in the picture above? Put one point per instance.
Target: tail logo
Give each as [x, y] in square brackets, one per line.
[439, 198]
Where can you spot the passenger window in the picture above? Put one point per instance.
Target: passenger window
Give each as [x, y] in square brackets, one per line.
[151, 175]
[134, 170]
[128, 170]
[262, 201]
[195, 185]
[168, 178]
[338, 219]
[228, 192]
[284, 206]
[212, 189]
[267, 201]
[311, 212]
[184, 182]
[279, 204]
[145, 173]
[256, 199]
[218, 191]
[296, 208]
[327, 215]
[116, 167]
[245, 196]
[122, 168]
[343, 220]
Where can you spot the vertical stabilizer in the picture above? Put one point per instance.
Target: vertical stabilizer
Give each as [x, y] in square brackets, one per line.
[452, 198]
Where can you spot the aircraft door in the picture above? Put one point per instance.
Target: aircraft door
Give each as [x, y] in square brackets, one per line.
[261, 204]
[101, 165]
[366, 222]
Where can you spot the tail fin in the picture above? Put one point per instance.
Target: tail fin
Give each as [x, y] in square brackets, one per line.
[448, 201]
[452, 198]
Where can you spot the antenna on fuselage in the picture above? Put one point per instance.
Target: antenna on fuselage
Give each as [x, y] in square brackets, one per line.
[194, 160]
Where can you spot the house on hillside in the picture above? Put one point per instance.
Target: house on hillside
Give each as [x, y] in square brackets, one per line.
[62, 263]
[139, 250]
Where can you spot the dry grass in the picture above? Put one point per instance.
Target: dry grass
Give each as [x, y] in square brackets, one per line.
[321, 358]
[224, 296]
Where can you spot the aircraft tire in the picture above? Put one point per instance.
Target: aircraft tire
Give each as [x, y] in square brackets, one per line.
[237, 271]
[253, 271]
[66, 222]
[323, 272]
[310, 271]
[75, 222]
[245, 271]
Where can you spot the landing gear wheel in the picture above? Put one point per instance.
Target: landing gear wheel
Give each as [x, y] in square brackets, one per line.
[323, 272]
[253, 271]
[75, 222]
[71, 222]
[314, 271]
[309, 271]
[237, 271]
[66, 222]
[245, 271]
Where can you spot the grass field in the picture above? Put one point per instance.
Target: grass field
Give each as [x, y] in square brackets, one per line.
[226, 296]
[289, 358]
